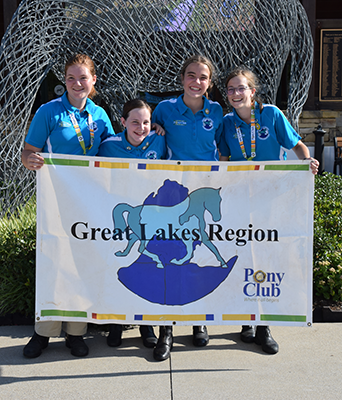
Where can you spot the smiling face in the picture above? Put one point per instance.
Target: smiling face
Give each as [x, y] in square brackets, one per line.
[79, 83]
[196, 81]
[240, 101]
[138, 125]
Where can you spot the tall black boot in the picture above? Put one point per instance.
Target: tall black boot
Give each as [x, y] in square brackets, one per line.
[200, 336]
[114, 337]
[264, 338]
[164, 345]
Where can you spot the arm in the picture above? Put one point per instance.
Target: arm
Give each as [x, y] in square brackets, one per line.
[159, 130]
[30, 158]
[302, 152]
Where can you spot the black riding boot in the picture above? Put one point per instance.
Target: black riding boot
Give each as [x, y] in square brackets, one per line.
[164, 345]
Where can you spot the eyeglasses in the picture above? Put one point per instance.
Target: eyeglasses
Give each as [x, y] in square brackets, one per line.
[240, 90]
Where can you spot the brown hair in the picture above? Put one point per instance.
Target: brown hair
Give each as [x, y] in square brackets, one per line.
[252, 80]
[199, 59]
[132, 104]
[85, 60]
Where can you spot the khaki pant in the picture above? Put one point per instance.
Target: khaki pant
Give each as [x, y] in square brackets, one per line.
[53, 328]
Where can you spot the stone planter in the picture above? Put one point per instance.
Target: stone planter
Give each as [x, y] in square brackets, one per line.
[16, 319]
[326, 314]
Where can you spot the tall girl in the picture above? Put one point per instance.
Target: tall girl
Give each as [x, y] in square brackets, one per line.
[193, 126]
[258, 132]
[71, 124]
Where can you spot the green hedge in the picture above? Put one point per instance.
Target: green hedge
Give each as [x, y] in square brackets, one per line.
[327, 255]
[18, 233]
[17, 261]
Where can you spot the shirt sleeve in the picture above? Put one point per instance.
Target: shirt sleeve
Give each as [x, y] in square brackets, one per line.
[286, 135]
[108, 130]
[40, 128]
[164, 149]
[219, 130]
[157, 116]
[223, 145]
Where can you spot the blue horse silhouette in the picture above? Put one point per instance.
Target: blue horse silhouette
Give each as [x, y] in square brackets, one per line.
[153, 221]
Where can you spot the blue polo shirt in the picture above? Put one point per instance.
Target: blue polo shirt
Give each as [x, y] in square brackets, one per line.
[153, 147]
[273, 134]
[188, 136]
[52, 130]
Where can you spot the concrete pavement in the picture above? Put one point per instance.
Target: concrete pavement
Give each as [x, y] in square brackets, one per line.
[308, 366]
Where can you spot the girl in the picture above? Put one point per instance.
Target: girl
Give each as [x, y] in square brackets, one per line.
[136, 141]
[71, 124]
[193, 126]
[258, 132]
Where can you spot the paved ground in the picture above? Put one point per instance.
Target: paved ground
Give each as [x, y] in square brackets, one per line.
[308, 366]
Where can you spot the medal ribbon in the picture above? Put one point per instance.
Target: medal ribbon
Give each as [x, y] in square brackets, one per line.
[78, 131]
[240, 138]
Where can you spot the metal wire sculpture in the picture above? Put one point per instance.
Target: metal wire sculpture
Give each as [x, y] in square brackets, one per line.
[138, 47]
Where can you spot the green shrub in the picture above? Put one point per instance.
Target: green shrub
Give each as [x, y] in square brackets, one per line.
[327, 261]
[17, 261]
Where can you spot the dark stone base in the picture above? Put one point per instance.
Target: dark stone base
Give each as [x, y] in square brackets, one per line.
[326, 314]
[16, 319]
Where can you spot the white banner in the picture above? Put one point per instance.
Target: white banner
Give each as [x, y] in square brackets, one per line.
[167, 242]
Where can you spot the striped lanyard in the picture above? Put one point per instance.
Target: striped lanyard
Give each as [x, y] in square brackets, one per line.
[79, 134]
[240, 138]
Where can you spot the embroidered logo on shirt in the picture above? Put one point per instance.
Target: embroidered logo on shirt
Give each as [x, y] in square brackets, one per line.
[263, 133]
[65, 124]
[179, 122]
[94, 126]
[208, 124]
[151, 155]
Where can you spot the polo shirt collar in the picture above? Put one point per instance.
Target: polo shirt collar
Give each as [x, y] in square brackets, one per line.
[88, 107]
[182, 107]
[129, 146]
[239, 121]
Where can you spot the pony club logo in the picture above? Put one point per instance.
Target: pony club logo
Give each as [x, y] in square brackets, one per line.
[169, 226]
[260, 284]
[151, 155]
[263, 133]
[93, 126]
[208, 123]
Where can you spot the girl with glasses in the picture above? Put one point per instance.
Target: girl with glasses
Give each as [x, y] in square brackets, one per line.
[257, 132]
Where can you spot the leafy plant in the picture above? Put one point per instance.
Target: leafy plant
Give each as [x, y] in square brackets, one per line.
[17, 261]
[327, 262]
